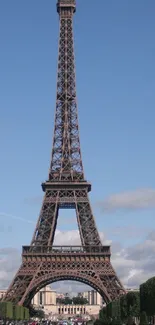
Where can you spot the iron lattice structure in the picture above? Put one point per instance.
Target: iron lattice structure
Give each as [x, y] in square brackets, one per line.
[66, 187]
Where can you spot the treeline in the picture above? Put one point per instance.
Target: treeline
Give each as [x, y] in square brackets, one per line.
[121, 311]
[134, 306]
[8, 311]
[147, 297]
[72, 301]
[36, 313]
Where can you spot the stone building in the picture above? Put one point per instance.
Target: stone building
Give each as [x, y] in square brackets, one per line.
[72, 310]
[2, 293]
[93, 297]
[44, 297]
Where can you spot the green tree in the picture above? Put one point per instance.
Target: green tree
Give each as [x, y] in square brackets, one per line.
[116, 321]
[133, 304]
[147, 297]
[104, 319]
[67, 301]
[26, 313]
[98, 322]
[109, 310]
[143, 297]
[32, 311]
[119, 321]
[59, 301]
[130, 320]
[64, 301]
[102, 313]
[143, 318]
[115, 309]
[123, 307]
[79, 301]
[6, 310]
[38, 313]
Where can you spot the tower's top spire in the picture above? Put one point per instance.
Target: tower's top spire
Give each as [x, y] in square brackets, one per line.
[66, 4]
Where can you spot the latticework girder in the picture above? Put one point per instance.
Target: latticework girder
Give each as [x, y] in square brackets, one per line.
[66, 162]
[90, 265]
[42, 263]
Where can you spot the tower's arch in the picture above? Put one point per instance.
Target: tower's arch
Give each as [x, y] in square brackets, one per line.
[44, 280]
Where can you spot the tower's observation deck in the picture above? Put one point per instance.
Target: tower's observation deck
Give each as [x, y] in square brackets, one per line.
[66, 4]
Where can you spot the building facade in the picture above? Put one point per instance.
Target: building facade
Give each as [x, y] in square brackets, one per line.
[44, 297]
[72, 310]
[132, 289]
[2, 293]
[93, 297]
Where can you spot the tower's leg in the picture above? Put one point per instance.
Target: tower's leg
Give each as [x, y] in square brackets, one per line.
[45, 229]
[86, 221]
[18, 286]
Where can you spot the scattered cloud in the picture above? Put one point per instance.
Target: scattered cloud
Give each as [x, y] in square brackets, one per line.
[9, 262]
[133, 264]
[72, 237]
[138, 199]
[151, 235]
[71, 287]
[128, 231]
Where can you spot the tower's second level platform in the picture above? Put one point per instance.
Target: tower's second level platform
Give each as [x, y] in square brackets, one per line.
[72, 185]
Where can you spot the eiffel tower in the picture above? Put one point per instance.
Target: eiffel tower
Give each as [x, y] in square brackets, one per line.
[66, 187]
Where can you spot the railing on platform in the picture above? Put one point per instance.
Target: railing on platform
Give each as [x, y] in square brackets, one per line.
[104, 250]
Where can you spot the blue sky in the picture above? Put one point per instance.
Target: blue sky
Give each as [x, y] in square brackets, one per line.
[115, 51]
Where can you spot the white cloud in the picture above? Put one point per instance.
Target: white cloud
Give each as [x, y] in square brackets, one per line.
[72, 237]
[71, 287]
[138, 199]
[133, 264]
[136, 264]
[65, 237]
[9, 262]
[128, 231]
